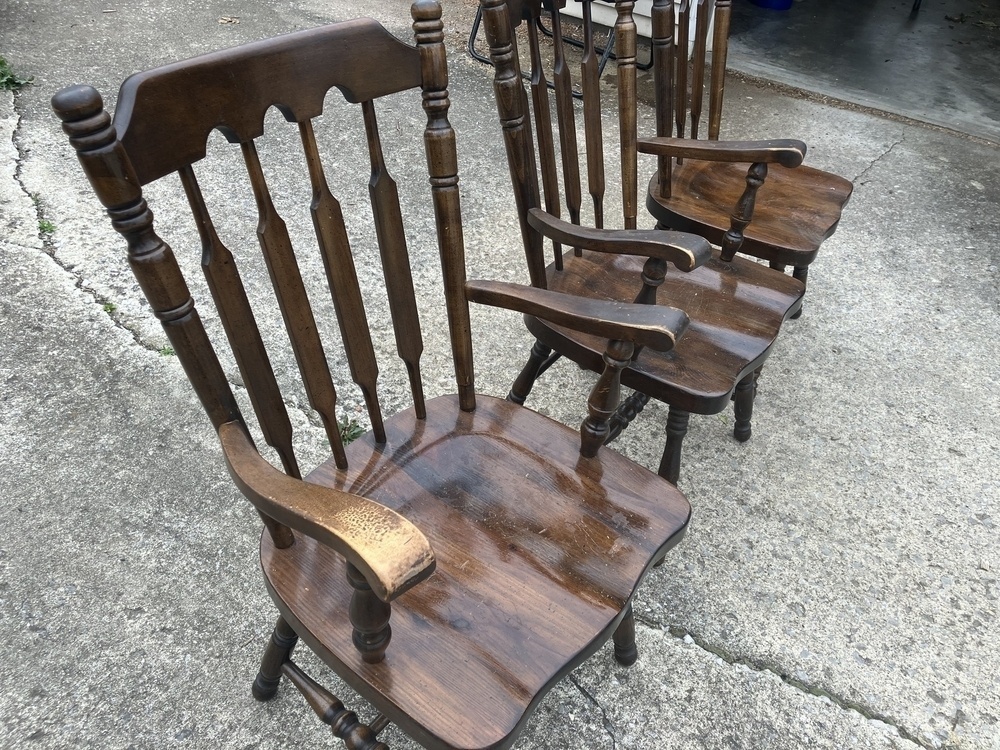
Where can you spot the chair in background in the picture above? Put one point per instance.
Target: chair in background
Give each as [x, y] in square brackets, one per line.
[736, 305]
[698, 183]
[502, 547]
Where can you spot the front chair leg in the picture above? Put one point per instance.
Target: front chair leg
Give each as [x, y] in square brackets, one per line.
[801, 273]
[743, 407]
[677, 427]
[625, 651]
[278, 651]
[529, 373]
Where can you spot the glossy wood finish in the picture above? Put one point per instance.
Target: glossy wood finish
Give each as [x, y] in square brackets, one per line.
[523, 590]
[410, 560]
[696, 191]
[736, 306]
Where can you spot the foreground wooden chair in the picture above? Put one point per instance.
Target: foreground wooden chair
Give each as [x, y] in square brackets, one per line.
[502, 548]
[735, 304]
[699, 183]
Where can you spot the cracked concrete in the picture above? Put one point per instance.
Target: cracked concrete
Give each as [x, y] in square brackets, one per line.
[837, 588]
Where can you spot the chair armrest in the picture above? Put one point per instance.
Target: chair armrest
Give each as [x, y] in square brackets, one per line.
[391, 553]
[786, 152]
[686, 251]
[655, 326]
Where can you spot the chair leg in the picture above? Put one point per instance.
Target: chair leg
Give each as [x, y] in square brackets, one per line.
[278, 651]
[625, 651]
[746, 390]
[525, 380]
[677, 427]
[801, 273]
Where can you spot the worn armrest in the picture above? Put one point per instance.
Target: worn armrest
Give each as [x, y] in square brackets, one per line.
[391, 553]
[786, 152]
[655, 326]
[683, 250]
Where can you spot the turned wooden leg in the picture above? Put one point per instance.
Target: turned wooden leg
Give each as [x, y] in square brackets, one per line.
[278, 651]
[743, 407]
[625, 651]
[801, 273]
[529, 373]
[677, 427]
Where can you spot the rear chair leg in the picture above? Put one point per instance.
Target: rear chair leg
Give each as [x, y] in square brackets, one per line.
[532, 369]
[625, 651]
[278, 651]
[743, 406]
[801, 273]
[677, 427]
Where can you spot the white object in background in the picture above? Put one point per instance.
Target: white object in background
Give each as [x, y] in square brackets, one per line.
[603, 12]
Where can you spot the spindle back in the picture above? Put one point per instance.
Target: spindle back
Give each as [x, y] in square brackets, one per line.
[162, 122]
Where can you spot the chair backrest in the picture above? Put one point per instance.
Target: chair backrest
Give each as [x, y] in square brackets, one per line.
[161, 126]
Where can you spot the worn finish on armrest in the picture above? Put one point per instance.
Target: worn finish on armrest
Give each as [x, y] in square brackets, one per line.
[654, 326]
[683, 250]
[786, 152]
[390, 551]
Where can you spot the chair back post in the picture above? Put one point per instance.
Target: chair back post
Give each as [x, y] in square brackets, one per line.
[625, 50]
[663, 77]
[720, 50]
[110, 172]
[516, 125]
[442, 166]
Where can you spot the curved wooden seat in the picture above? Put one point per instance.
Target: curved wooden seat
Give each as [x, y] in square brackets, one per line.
[797, 208]
[523, 530]
[736, 310]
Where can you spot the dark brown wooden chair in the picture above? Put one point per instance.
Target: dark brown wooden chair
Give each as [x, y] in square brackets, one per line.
[697, 184]
[735, 304]
[502, 547]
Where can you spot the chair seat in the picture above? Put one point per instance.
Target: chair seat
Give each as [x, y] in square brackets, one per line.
[558, 541]
[736, 310]
[796, 209]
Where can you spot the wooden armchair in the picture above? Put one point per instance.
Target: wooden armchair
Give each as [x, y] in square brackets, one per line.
[699, 183]
[736, 305]
[457, 560]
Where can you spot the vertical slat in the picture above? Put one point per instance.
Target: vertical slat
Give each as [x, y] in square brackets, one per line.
[625, 45]
[291, 293]
[512, 109]
[702, 17]
[543, 125]
[335, 249]
[442, 165]
[663, 79]
[681, 54]
[395, 261]
[241, 329]
[720, 50]
[592, 116]
[563, 82]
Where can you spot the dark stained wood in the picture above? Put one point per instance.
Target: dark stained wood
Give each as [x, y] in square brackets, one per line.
[335, 249]
[694, 188]
[736, 307]
[563, 81]
[593, 131]
[409, 561]
[704, 194]
[395, 259]
[495, 553]
[230, 298]
[293, 302]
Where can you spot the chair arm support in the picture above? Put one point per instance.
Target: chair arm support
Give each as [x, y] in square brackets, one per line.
[786, 152]
[391, 553]
[655, 326]
[685, 251]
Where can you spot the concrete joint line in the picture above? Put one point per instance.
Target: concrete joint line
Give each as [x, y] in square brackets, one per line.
[877, 159]
[609, 727]
[815, 691]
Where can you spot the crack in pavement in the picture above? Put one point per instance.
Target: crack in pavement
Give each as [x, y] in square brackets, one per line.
[815, 691]
[877, 159]
[609, 727]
